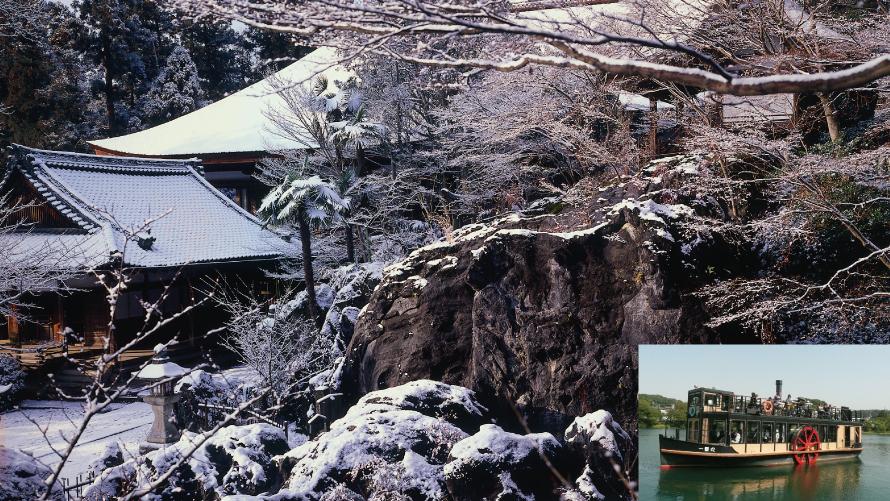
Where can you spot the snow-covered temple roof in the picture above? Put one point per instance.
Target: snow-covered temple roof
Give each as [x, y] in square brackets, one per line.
[106, 199]
[238, 123]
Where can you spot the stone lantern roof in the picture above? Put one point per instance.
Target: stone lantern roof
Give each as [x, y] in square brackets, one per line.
[161, 367]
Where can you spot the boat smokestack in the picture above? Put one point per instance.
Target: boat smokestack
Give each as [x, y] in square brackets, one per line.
[779, 388]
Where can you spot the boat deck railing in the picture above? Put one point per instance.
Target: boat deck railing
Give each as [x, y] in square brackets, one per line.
[800, 407]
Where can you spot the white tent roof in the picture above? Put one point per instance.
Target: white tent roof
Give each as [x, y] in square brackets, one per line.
[235, 124]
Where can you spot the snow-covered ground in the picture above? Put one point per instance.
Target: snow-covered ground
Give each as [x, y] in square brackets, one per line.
[127, 424]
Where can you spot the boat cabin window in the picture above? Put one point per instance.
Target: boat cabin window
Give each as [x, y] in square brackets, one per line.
[767, 433]
[831, 434]
[717, 432]
[781, 432]
[857, 435]
[712, 400]
[792, 431]
[736, 432]
[753, 432]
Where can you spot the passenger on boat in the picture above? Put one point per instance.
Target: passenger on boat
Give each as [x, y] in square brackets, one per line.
[736, 437]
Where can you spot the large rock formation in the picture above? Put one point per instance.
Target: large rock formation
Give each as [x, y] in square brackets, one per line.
[530, 316]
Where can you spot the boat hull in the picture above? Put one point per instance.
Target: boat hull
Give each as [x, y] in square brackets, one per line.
[679, 453]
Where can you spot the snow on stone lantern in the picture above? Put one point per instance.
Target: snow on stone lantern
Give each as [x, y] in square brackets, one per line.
[161, 396]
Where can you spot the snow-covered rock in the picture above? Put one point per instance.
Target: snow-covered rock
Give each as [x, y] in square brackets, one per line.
[454, 404]
[12, 381]
[354, 283]
[403, 433]
[601, 429]
[495, 464]
[604, 445]
[236, 460]
[200, 389]
[22, 476]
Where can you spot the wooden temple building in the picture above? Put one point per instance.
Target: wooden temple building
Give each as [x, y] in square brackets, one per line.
[232, 135]
[89, 212]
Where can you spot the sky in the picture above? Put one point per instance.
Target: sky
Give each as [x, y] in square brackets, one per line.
[857, 376]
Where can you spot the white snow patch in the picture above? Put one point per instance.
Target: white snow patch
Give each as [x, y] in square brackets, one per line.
[653, 211]
[127, 424]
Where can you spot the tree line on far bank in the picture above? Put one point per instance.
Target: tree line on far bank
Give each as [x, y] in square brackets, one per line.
[649, 413]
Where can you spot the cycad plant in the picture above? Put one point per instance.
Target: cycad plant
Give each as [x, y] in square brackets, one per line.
[328, 119]
[354, 133]
[308, 201]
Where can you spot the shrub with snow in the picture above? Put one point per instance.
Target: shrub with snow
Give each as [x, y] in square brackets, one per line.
[495, 464]
[12, 381]
[22, 477]
[199, 392]
[236, 460]
[111, 456]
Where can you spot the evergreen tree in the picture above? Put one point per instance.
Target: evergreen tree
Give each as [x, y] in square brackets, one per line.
[43, 94]
[221, 55]
[175, 92]
[273, 50]
[128, 40]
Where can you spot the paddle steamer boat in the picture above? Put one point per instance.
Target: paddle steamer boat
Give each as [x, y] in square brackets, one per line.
[727, 430]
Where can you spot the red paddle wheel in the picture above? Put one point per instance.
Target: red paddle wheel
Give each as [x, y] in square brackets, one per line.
[807, 445]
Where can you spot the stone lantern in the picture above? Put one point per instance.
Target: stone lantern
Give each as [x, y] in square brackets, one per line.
[161, 396]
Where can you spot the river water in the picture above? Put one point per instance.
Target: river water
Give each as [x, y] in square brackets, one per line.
[863, 479]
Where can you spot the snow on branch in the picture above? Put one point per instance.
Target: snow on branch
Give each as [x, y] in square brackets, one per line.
[556, 37]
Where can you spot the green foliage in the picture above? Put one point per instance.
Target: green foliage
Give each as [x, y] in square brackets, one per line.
[54, 61]
[222, 56]
[44, 98]
[647, 415]
[676, 417]
[659, 401]
[650, 407]
[879, 423]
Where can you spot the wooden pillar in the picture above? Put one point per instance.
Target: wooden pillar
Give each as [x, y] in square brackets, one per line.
[60, 317]
[12, 327]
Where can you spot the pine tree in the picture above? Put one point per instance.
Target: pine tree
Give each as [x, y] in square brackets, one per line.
[273, 50]
[222, 56]
[44, 97]
[175, 92]
[128, 40]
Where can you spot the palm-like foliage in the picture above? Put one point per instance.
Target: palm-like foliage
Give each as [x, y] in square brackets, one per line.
[309, 201]
[356, 131]
[298, 196]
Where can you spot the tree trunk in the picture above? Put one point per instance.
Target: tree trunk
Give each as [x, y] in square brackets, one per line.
[350, 243]
[308, 276]
[653, 127]
[834, 127]
[360, 169]
[109, 85]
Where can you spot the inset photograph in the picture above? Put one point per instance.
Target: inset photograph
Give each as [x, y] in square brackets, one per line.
[764, 422]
